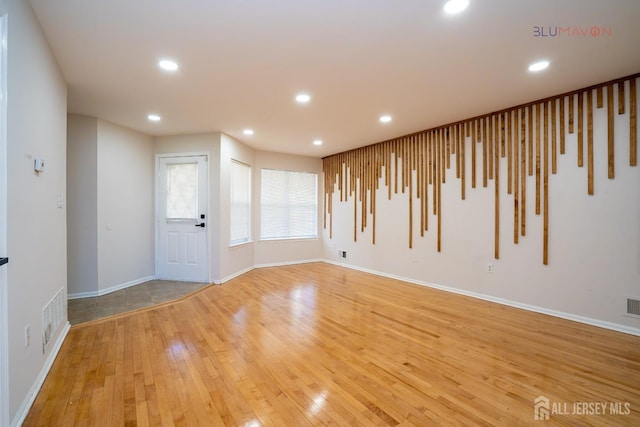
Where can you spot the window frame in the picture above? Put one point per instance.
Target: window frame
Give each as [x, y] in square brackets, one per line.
[232, 193]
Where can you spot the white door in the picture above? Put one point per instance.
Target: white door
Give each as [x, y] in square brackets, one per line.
[182, 218]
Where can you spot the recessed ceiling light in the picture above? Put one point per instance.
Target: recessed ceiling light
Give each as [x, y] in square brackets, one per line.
[317, 142]
[455, 6]
[385, 119]
[538, 66]
[154, 117]
[168, 65]
[303, 98]
[248, 131]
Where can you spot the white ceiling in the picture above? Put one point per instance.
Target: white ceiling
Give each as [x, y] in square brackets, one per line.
[243, 61]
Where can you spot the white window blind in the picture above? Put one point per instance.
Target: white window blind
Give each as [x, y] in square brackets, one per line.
[288, 205]
[240, 203]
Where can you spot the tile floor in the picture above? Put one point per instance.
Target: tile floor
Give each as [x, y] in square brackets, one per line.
[139, 296]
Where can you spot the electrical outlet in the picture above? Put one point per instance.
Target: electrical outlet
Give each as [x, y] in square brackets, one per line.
[27, 335]
[414, 257]
[342, 254]
[489, 268]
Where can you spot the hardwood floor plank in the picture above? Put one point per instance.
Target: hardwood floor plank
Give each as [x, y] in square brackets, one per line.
[318, 344]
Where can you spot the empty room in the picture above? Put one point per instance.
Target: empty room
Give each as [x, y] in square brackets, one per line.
[269, 213]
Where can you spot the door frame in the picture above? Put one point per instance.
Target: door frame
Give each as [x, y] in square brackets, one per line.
[207, 156]
[4, 319]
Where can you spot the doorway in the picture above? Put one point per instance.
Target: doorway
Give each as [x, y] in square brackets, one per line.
[182, 217]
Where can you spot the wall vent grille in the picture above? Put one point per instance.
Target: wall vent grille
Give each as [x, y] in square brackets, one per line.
[633, 306]
[53, 314]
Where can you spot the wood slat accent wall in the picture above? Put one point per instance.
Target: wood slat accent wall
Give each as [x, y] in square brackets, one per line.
[507, 134]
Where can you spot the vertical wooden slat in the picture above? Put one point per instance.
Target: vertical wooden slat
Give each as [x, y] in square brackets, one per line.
[509, 153]
[340, 179]
[458, 132]
[496, 182]
[435, 167]
[554, 132]
[355, 212]
[610, 124]
[633, 131]
[421, 183]
[374, 184]
[439, 183]
[443, 160]
[331, 211]
[395, 166]
[484, 151]
[545, 120]
[418, 165]
[474, 126]
[530, 140]
[503, 119]
[571, 100]
[545, 214]
[324, 199]
[516, 176]
[562, 136]
[538, 114]
[389, 166]
[453, 135]
[621, 97]
[523, 178]
[490, 144]
[590, 141]
[404, 164]
[426, 180]
[463, 164]
[415, 152]
[410, 210]
[599, 96]
[448, 138]
[580, 129]
[362, 157]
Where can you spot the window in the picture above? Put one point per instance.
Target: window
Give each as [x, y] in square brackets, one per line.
[182, 191]
[288, 205]
[240, 203]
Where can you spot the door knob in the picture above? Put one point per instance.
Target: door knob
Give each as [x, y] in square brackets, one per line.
[200, 225]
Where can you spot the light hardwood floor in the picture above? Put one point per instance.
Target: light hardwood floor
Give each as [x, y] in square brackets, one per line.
[318, 344]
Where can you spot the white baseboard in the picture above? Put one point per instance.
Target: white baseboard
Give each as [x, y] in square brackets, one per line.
[233, 276]
[273, 264]
[111, 289]
[574, 317]
[35, 388]
[280, 264]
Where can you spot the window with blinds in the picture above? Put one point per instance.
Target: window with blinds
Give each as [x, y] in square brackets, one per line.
[240, 203]
[288, 205]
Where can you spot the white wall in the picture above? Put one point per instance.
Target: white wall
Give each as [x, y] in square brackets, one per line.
[110, 214]
[202, 143]
[82, 204]
[594, 244]
[37, 117]
[125, 206]
[285, 251]
[240, 257]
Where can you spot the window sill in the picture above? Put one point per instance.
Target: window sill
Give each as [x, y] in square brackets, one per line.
[239, 244]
